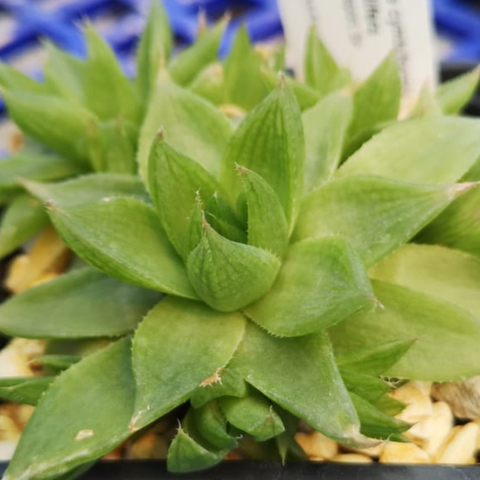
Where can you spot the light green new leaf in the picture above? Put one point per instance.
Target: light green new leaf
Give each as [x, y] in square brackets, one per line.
[175, 183]
[185, 66]
[155, 43]
[178, 345]
[366, 386]
[221, 216]
[375, 423]
[212, 423]
[419, 150]
[185, 454]
[15, 80]
[112, 146]
[453, 95]
[374, 359]
[123, 238]
[375, 215]
[377, 100]
[267, 225]
[87, 189]
[253, 414]
[322, 281]
[325, 126]
[80, 304]
[25, 390]
[65, 431]
[442, 330]
[244, 85]
[229, 275]
[209, 84]
[64, 73]
[192, 125]
[434, 270]
[301, 376]
[34, 166]
[108, 92]
[59, 124]
[23, 218]
[458, 226]
[306, 96]
[270, 142]
[321, 70]
[226, 382]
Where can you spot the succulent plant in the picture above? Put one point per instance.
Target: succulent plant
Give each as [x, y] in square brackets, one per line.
[283, 246]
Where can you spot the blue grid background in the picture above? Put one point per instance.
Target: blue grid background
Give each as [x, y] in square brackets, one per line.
[23, 23]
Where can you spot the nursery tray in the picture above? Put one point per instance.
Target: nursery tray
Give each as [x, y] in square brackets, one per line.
[237, 470]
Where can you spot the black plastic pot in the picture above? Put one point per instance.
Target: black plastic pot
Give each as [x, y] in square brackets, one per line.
[256, 470]
[156, 470]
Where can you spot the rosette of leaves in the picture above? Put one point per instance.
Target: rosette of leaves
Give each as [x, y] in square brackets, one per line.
[86, 114]
[293, 288]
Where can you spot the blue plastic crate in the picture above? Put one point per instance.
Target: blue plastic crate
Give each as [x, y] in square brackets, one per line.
[459, 22]
[23, 23]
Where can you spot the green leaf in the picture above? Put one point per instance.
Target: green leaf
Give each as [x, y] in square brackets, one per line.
[80, 304]
[321, 70]
[423, 151]
[175, 182]
[458, 226]
[155, 43]
[221, 216]
[123, 238]
[436, 271]
[270, 142]
[185, 454]
[33, 166]
[225, 382]
[59, 124]
[253, 414]
[375, 215]
[427, 104]
[64, 73]
[306, 96]
[26, 390]
[377, 100]
[15, 80]
[244, 85]
[374, 359]
[443, 332]
[375, 423]
[179, 345]
[57, 362]
[325, 126]
[211, 422]
[453, 95]
[111, 146]
[65, 431]
[301, 376]
[267, 225]
[209, 84]
[229, 275]
[192, 125]
[322, 282]
[185, 66]
[87, 189]
[23, 218]
[389, 405]
[108, 92]
[368, 387]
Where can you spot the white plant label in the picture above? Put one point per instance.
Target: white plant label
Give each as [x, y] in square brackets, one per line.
[361, 33]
